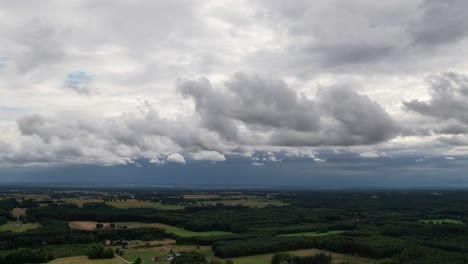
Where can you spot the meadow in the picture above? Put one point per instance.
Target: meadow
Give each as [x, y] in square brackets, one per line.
[16, 227]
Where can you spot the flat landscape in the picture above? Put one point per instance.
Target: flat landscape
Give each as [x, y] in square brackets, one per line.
[67, 226]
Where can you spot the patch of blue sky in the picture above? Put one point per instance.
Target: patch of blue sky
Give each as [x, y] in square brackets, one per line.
[78, 77]
[3, 60]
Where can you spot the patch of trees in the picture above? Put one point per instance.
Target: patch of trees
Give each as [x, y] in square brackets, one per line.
[55, 232]
[25, 255]
[191, 257]
[98, 251]
[375, 247]
[3, 220]
[210, 240]
[286, 258]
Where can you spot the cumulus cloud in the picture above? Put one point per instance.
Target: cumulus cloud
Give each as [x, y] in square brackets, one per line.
[208, 155]
[254, 110]
[448, 102]
[257, 163]
[176, 157]
[440, 22]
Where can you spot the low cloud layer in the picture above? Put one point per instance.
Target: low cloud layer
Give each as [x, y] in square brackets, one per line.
[246, 114]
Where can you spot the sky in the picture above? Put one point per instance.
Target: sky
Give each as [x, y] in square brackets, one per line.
[234, 92]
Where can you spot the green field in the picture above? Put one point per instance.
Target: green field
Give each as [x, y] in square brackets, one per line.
[336, 258]
[173, 229]
[254, 203]
[162, 252]
[442, 221]
[17, 227]
[187, 233]
[144, 204]
[85, 260]
[314, 234]
[91, 225]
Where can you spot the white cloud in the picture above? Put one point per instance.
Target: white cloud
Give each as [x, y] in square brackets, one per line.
[208, 155]
[176, 157]
[256, 163]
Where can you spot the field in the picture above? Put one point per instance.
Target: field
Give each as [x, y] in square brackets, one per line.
[336, 258]
[254, 203]
[132, 203]
[91, 225]
[442, 221]
[162, 252]
[17, 227]
[315, 234]
[17, 212]
[85, 260]
[379, 229]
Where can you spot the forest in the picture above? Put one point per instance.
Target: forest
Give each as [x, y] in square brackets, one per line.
[378, 226]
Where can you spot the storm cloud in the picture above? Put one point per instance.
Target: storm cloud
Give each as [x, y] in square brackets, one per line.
[252, 110]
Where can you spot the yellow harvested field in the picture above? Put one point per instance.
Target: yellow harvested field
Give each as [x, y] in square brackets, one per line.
[83, 225]
[17, 212]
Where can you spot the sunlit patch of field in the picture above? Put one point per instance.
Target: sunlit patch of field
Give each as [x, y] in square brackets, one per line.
[83, 225]
[442, 221]
[81, 201]
[132, 203]
[16, 226]
[256, 203]
[91, 225]
[314, 234]
[336, 258]
[17, 212]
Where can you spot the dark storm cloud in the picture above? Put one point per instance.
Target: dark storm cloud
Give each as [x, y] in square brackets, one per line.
[448, 102]
[273, 114]
[441, 22]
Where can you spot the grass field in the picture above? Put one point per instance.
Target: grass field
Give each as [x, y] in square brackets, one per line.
[255, 203]
[314, 234]
[80, 201]
[442, 221]
[187, 233]
[144, 204]
[17, 227]
[201, 196]
[162, 251]
[91, 225]
[336, 258]
[146, 255]
[85, 260]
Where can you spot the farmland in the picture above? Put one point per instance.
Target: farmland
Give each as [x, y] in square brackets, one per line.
[14, 226]
[66, 226]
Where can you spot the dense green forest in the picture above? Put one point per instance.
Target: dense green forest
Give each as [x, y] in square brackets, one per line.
[386, 226]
